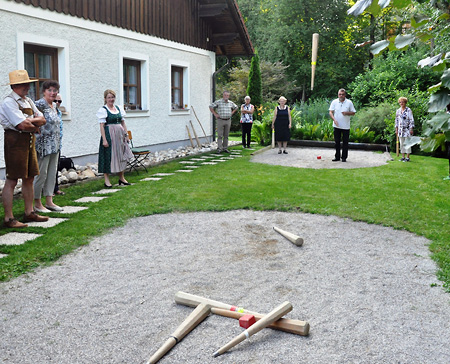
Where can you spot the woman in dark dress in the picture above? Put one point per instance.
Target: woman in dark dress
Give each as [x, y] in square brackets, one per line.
[114, 151]
[282, 124]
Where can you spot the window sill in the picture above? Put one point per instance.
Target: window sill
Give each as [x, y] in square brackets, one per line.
[136, 113]
[179, 111]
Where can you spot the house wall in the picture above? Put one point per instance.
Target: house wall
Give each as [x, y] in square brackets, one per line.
[90, 59]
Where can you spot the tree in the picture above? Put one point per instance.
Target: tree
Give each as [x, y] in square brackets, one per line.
[430, 23]
[254, 88]
[282, 31]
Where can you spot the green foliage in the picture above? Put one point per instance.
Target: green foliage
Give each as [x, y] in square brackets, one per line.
[282, 31]
[254, 88]
[314, 110]
[397, 71]
[274, 81]
[379, 119]
[262, 132]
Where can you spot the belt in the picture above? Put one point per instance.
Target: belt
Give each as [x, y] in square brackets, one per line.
[224, 119]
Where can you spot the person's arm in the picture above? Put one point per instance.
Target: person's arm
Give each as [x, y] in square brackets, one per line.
[290, 117]
[274, 117]
[243, 111]
[29, 125]
[252, 110]
[102, 132]
[411, 122]
[214, 112]
[234, 111]
[335, 122]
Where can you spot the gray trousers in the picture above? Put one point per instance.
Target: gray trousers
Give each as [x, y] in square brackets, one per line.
[44, 183]
[223, 130]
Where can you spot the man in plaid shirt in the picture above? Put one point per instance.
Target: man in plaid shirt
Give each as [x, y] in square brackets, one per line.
[223, 110]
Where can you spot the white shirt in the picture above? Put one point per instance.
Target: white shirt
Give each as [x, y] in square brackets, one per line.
[102, 114]
[10, 114]
[339, 107]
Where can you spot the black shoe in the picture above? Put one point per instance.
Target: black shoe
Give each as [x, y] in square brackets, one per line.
[335, 160]
[218, 151]
[107, 185]
[226, 151]
[124, 183]
[279, 152]
[284, 152]
[344, 160]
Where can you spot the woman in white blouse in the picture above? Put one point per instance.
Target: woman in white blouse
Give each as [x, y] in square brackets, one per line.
[114, 151]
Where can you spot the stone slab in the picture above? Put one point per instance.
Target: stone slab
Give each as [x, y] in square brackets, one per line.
[209, 163]
[217, 160]
[191, 166]
[53, 221]
[185, 170]
[90, 199]
[187, 162]
[71, 209]
[163, 174]
[3, 255]
[15, 238]
[197, 159]
[106, 191]
[151, 179]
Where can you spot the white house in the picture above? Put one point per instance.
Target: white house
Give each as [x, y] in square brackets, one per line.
[158, 55]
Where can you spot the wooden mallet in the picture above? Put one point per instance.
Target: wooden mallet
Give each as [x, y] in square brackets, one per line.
[271, 317]
[297, 327]
[297, 240]
[224, 309]
[197, 316]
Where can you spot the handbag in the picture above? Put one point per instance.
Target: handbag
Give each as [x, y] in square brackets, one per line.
[66, 163]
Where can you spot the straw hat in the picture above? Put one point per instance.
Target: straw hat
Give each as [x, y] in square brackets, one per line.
[20, 76]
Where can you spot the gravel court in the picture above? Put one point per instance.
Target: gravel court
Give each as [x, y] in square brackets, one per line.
[367, 291]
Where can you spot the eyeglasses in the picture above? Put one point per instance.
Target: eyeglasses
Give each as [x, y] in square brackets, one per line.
[58, 101]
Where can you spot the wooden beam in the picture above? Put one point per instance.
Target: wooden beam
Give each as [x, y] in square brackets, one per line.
[211, 10]
[224, 38]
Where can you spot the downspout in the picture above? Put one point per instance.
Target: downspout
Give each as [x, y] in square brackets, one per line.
[214, 91]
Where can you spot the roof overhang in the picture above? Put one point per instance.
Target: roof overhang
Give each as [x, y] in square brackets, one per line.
[229, 34]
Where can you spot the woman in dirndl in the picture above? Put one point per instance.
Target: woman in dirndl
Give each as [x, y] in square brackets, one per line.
[114, 151]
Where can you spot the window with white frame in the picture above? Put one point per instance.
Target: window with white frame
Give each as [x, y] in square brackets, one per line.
[134, 93]
[46, 58]
[179, 87]
[132, 84]
[41, 63]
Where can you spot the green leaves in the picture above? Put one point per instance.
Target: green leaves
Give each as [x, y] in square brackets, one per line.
[439, 100]
[378, 47]
[403, 41]
[359, 7]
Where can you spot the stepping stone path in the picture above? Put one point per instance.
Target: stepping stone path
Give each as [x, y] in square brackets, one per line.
[151, 179]
[89, 199]
[105, 191]
[16, 238]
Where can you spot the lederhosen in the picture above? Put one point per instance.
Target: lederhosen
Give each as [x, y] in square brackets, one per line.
[20, 152]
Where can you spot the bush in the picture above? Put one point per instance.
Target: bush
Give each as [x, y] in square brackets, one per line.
[376, 119]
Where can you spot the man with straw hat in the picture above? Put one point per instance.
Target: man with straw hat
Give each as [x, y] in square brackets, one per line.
[21, 120]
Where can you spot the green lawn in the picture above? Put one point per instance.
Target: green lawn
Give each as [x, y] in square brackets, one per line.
[411, 196]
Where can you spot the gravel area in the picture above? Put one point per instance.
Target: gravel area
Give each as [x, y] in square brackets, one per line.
[369, 293]
[304, 157]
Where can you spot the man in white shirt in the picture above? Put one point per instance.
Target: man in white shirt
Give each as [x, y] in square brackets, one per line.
[340, 111]
[21, 120]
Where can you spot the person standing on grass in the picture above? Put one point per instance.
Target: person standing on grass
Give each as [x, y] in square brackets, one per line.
[114, 151]
[21, 119]
[223, 110]
[47, 148]
[404, 125]
[340, 111]
[247, 111]
[282, 124]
